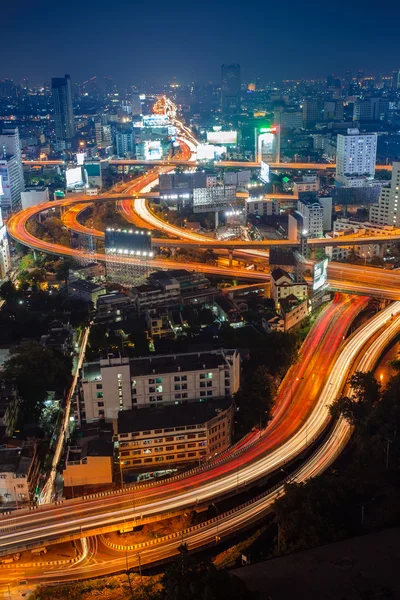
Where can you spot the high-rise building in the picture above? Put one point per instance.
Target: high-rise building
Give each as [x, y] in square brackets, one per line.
[63, 111]
[230, 89]
[124, 143]
[387, 211]
[312, 112]
[11, 172]
[103, 135]
[396, 80]
[333, 110]
[355, 157]
[136, 105]
[371, 109]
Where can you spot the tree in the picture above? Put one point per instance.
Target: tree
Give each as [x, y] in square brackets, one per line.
[36, 370]
[366, 392]
[8, 291]
[188, 578]
[255, 399]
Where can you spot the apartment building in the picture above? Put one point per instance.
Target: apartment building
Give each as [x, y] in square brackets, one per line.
[169, 436]
[387, 210]
[110, 385]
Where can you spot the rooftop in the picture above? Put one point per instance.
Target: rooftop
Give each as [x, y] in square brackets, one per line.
[175, 415]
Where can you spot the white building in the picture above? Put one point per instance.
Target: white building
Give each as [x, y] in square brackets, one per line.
[312, 213]
[263, 207]
[283, 284]
[33, 196]
[5, 258]
[113, 384]
[387, 212]
[11, 182]
[355, 157]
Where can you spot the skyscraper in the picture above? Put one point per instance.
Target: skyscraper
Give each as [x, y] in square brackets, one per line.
[11, 172]
[230, 89]
[63, 112]
[396, 80]
[356, 157]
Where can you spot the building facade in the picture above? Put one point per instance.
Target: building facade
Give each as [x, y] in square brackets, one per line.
[113, 384]
[356, 156]
[64, 122]
[164, 438]
[387, 211]
[230, 89]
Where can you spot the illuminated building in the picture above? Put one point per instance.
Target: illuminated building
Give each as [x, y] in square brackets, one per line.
[355, 157]
[387, 211]
[165, 437]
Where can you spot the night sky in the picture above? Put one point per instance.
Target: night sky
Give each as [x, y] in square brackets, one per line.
[153, 41]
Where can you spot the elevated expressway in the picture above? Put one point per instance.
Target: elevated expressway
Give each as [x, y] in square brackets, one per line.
[362, 350]
[297, 405]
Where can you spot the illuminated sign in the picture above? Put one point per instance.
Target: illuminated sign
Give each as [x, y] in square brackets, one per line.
[1, 186]
[320, 275]
[264, 173]
[268, 130]
[209, 151]
[222, 137]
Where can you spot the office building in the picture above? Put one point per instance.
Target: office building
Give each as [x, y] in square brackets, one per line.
[136, 105]
[355, 157]
[169, 436]
[124, 143]
[371, 109]
[312, 113]
[11, 172]
[113, 384]
[396, 79]
[103, 135]
[387, 211]
[33, 196]
[333, 110]
[230, 89]
[288, 119]
[63, 112]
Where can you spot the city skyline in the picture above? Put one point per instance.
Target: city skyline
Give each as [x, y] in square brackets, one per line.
[149, 44]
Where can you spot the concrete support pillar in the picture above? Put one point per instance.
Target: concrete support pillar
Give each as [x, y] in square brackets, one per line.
[312, 250]
[216, 219]
[173, 251]
[382, 250]
[230, 258]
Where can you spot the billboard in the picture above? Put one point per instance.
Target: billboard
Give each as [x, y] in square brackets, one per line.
[80, 158]
[128, 241]
[320, 277]
[155, 120]
[213, 198]
[222, 137]
[152, 150]
[264, 173]
[74, 176]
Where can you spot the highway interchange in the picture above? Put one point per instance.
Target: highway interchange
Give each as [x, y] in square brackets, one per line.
[300, 416]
